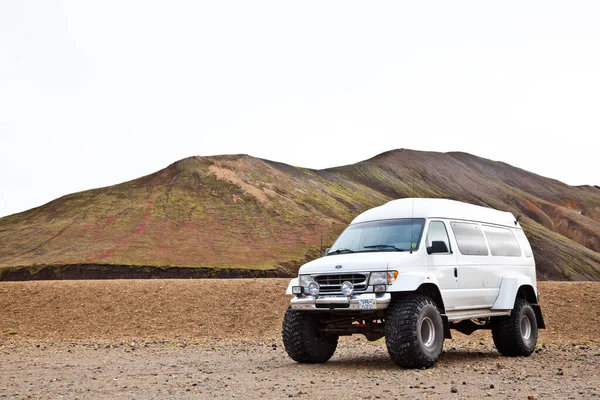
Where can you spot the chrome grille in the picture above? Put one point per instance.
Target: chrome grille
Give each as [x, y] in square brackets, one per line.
[333, 283]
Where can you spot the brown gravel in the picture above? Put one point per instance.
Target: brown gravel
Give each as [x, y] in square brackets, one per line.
[160, 309]
[214, 308]
[179, 339]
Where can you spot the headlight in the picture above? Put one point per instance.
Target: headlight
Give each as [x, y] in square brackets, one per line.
[382, 278]
[304, 280]
[313, 288]
[347, 288]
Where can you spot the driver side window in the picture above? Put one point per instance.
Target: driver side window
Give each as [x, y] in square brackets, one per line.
[437, 233]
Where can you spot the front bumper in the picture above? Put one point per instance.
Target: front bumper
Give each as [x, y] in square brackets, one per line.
[358, 302]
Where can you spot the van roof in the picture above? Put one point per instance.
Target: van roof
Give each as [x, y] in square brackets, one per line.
[436, 208]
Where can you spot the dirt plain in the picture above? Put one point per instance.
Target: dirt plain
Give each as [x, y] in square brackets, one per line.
[221, 339]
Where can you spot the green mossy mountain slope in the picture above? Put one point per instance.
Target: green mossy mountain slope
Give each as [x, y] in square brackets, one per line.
[240, 212]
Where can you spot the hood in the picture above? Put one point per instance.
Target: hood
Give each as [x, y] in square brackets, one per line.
[369, 261]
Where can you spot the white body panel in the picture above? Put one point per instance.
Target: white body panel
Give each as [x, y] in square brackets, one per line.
[443, 267]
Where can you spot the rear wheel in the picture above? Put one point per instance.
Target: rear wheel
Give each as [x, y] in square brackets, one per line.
[414, 332]
[516, 335]
[302, 339]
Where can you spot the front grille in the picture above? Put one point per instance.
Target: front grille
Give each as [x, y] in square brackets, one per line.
[333, 283]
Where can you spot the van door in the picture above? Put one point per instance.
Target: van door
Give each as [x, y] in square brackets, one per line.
[442, 265]
[478, 281]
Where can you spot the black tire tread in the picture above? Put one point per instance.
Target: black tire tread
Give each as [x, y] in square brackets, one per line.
[300, 342]
[401, 333]
[506, 331]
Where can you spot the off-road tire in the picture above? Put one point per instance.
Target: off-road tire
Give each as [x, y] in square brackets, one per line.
[302, 341]
[414, 332]
[516, 335]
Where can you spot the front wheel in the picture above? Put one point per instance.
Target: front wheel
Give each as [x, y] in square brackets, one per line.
[414, 332]
[516, 335]
[302, 340]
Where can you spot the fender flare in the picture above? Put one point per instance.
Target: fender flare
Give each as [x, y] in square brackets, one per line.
[293, 282]
[509, 287]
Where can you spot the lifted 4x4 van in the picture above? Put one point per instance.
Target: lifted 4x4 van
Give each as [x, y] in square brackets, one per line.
[411, 270]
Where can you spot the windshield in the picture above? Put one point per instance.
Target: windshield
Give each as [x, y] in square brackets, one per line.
[386, 235]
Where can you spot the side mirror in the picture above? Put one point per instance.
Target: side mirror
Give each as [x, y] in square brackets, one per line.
[437, 246]
[327, 250]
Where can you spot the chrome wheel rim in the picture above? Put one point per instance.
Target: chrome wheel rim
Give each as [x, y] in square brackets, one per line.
[427, 332]
[525, 327]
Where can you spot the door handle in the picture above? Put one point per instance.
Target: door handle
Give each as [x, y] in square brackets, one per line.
[456, 272]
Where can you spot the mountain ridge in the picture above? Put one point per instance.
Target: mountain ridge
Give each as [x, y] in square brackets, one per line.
[239, 212]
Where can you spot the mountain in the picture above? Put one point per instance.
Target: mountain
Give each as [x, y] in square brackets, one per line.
[237, 215]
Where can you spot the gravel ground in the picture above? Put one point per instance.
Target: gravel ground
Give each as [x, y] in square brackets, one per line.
[178, 340]
[261, 369]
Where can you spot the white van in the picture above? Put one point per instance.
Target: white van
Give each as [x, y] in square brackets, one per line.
[409, 271]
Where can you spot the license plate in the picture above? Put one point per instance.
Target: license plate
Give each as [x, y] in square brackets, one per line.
[368, 304]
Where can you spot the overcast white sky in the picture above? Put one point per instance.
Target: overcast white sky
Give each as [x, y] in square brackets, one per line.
[93, 93]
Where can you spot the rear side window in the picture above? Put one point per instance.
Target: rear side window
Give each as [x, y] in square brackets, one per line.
[469, 238]
[524, 243]
[502, 242]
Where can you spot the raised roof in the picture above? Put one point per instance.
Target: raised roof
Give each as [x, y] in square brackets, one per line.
[437, 208]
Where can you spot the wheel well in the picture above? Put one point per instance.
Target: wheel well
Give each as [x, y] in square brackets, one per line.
[428, 289]
[433, 292]
[527, 293]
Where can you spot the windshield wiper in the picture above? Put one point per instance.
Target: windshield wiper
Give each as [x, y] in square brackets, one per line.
[383, 246]
[338, 251]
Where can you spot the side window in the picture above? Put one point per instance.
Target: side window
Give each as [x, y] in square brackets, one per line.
[469, 238]
[502, 242]
[524, 243]
[437, 233]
